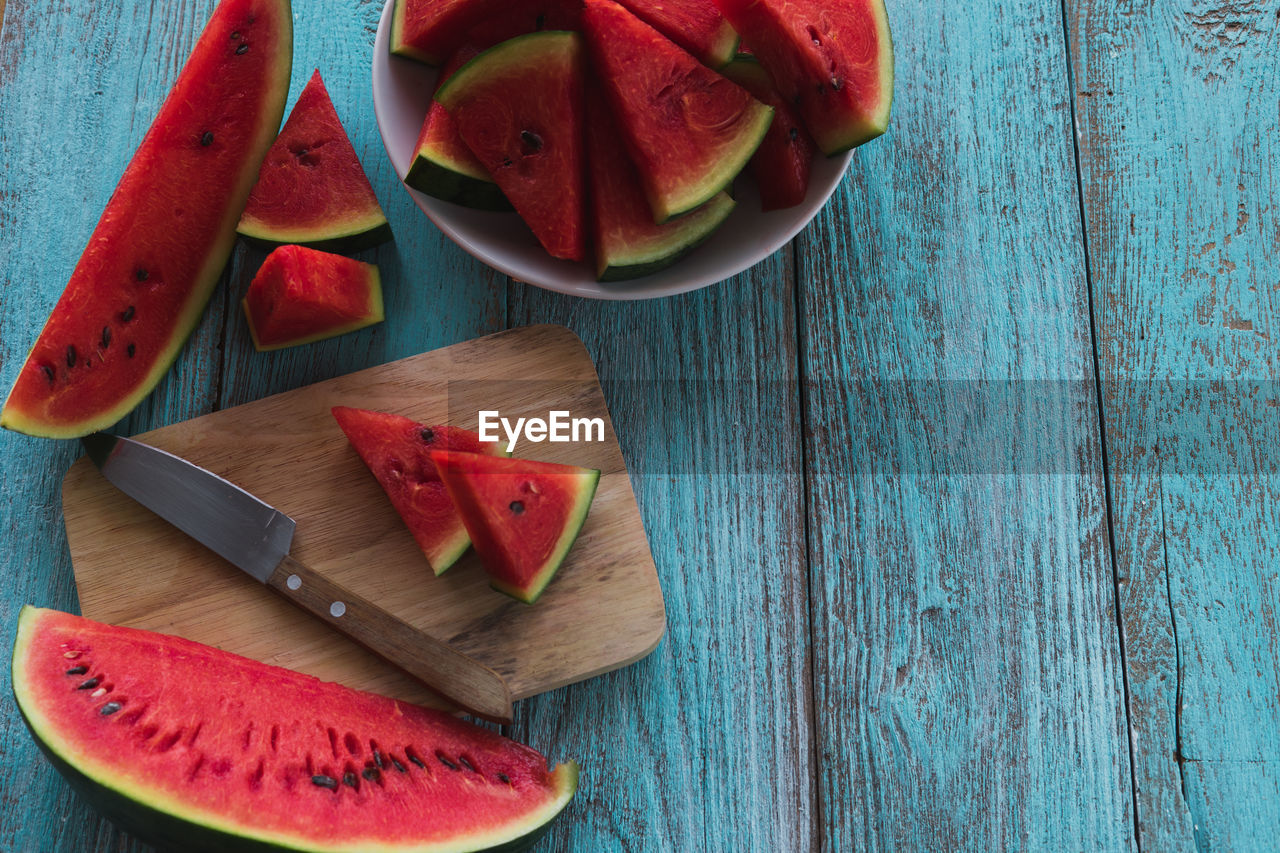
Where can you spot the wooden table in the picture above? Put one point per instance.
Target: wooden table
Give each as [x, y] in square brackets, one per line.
[965, 504]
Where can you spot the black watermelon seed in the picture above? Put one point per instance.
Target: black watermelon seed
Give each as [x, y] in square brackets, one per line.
[127, 315]
[141, 274]
[377, 758]
[106, 336]
[71, 356]
[836, 83]
[370, 773]
[131, 349]
[235, 36]
[446, 762]
[207, 139]
[242, 49]
[416, 760]
[517, 507]
[540, 22]
[462, 759]
[110, 708]
[504, 778]
[428, 435]
[325, 782]
[395, 762]
[78, 670]
[49, 373]
[349, 779]
[531, 139]
[506, 161]
[88, 685]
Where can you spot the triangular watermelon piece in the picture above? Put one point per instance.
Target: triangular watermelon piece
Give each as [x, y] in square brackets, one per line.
[311, 189]
[782, 163]
[690, 130]
[397, 451]
[301, 295]
[696, 25]
[523, 516]
[519, 107]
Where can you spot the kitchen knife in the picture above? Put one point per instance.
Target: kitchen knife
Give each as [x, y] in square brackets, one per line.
[255, 537]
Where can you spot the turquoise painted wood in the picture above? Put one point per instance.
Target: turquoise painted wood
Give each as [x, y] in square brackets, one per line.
[892, 513]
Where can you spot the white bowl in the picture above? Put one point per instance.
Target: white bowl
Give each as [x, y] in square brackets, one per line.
[401, 94]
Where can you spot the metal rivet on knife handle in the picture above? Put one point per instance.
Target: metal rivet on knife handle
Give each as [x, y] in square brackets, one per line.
[293, 582]
[337, 609]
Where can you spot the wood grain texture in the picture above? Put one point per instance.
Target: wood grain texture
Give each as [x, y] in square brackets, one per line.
[968, 689]
[704, 745]
[1178, 129]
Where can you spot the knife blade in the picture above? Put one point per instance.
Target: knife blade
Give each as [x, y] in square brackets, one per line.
[255, 537]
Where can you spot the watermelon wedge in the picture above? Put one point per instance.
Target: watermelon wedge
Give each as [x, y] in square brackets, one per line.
[781, 164]
[443, 166]
[695, 25]
[199, 750]
[397, 452]
[312, 190]
[627, 242]
[689, 130]
[159, 248]
[832, 59]
[302, 295]
[431, 30]
[523, 516]
[519, 107]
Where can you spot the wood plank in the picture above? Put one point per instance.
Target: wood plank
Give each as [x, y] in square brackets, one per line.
[968, 685]
[1178, 129]
[704, 745]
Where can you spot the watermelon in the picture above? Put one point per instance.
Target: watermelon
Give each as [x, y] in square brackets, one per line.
[302, 295]
[519, 107]
[832, 59]
[195, 749]
[396, 450]
[627, 242]
[695, 25]
[443, 166]
[311, 190]
[165, 235]
[781, 164]
[523, 516]
[430, 30]
[689, 130]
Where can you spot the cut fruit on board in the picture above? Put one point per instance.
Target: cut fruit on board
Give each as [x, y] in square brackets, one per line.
[195, 749]
[628, 243]
[443, 166]
[519, 108]
[782, 162]
[689, 130]
[165, 235]
[311, 189]
[832, 59]
[695, 25]
[397, 452]
[523, 516]
[301, 295]
[431, 30]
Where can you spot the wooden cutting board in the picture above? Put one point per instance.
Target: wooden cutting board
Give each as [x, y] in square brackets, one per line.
[602, 611]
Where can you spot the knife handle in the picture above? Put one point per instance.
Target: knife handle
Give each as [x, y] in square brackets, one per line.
[454, 675]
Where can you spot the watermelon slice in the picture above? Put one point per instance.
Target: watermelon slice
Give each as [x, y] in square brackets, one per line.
[164, 237]
[311, 190]
[627, 242]
[431, 30]
[695, 25]
[519, 106]
[396, 450]
[199, 750]
[302, 295]
[781, 164]
[523, 516]
[443, 166]
[689, 130]
[833, 59]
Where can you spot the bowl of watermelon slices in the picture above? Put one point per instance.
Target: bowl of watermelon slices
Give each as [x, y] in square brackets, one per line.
[630, 149]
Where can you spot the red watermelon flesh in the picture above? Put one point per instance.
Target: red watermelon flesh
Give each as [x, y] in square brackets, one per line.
[159, 248]
[523, 516]
[689, 130]
[832, 59]
[519, 108]
[431, 30]
[695, 25]
[203, 750]
[397, 452]
[302, 295]
[781, 164]
[312, 189]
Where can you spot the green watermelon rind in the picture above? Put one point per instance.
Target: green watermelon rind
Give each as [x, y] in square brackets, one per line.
[684, 235]
[725, 47]
[589, 480]
[398, 46]
[512, 50]
[434, 174]
[160, 819]
[351, 235]
[377, 313]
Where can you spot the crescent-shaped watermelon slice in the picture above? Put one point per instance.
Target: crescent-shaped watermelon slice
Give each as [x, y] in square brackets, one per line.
[159, 248]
